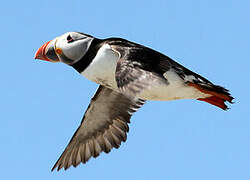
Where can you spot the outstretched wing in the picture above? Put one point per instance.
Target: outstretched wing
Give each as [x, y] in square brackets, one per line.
[104, 126]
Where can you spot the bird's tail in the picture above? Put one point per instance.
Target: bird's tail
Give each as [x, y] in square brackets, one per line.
[219, 95]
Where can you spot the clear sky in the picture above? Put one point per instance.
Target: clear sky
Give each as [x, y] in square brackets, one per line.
[42, 103]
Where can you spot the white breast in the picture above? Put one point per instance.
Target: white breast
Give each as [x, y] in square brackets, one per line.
[102, 69]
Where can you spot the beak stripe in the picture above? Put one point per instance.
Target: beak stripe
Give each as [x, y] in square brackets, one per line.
[43, 51]
[40, 54]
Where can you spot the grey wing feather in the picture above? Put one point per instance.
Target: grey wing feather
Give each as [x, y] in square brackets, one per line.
[132, 79]
[104, 126]
[138, 68]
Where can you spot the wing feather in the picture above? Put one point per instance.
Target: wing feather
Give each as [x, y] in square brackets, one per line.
[104, 126]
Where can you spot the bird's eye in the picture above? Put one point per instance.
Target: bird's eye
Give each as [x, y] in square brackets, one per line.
[69, 39]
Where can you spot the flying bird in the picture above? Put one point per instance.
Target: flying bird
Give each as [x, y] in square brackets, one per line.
[128, 74]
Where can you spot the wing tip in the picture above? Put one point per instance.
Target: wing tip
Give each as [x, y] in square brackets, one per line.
[54, 167]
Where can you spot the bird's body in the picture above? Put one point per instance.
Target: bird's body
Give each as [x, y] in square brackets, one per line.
[163, 87]
[128, 74]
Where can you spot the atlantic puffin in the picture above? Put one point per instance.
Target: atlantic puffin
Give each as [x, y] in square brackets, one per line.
[128, 74]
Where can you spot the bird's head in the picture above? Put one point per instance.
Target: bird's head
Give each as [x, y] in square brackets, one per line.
[67, 48]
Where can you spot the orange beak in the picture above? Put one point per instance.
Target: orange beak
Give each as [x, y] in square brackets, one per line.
[46, 52]
[41, 52]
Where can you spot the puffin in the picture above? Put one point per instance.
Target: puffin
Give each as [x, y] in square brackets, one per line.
[128, 75]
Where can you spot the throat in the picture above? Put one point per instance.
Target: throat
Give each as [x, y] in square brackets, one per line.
[102, 67]
[85, 61]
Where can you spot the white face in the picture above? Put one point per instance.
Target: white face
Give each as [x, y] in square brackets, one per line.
[72, 46]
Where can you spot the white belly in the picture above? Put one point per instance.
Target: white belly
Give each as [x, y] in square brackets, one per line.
[102, 69]
[174, 89]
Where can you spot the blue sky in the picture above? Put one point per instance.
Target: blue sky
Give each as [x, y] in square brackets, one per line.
[42, 103]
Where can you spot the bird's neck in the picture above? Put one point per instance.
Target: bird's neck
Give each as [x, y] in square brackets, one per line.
[84, 62]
